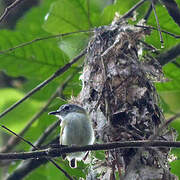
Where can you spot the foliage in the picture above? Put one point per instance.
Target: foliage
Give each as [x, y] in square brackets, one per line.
[41, 59]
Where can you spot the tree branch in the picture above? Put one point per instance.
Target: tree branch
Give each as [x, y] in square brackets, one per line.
[129, 13]
[14, 140]
[7, 10]
[44, 83]
[21, 172]
[36, 148]
[176, 64]
[56, 152]
[153, 28]
[173, 10]
[41, 39]
[169, 55]
[148, 13]
[157, 22]
[28, 166]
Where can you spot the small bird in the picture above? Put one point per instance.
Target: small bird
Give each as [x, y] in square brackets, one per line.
[76, 129]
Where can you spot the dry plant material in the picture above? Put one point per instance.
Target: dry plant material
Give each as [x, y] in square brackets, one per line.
[119, 94]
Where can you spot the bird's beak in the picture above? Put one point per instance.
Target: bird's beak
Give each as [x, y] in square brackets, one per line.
[53, 113]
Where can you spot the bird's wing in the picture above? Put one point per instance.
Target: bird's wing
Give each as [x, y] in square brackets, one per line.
[63, 124]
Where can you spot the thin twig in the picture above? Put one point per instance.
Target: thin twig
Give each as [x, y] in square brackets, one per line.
[176, 64]
[148, 13]
[7, 10]
[173, 10]
[28, 142]
[153, 28]
[56, 152]
[44, 83]
[163, 126]
[49, 129]
[170, 120]
[148, 46]
[26, 167]
[169, 55]
[88, 13]
[62, 170]
[151, 138]
[157, 21]
[129, 13]
[14, 140]
[42, 38]
[46, 133]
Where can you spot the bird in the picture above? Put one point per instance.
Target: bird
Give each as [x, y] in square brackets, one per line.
[76, 129]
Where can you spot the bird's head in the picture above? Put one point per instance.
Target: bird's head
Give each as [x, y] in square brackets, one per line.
[66, 109]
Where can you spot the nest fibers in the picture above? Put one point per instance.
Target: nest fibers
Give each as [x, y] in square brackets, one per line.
[118, 92]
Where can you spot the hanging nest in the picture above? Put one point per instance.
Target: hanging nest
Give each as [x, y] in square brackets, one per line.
[119, 94]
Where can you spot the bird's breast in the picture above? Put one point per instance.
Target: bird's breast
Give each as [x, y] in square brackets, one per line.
[77, 130]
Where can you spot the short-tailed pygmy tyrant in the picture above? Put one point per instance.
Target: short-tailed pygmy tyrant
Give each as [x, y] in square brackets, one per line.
[76, 129]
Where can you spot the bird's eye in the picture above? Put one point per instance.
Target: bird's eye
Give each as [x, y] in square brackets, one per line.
[66, 107]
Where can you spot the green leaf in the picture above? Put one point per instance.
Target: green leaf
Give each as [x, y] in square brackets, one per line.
[73, 45]
[165, 106]
[18, 118]
[172, 73]
[167, 24]
[54, 173]
[120, 7]
[36, 17]
[41, 59]
[38, 60]
[37, 174]
[175, 166]
[72, 15]
[99, 155]
[165, 20]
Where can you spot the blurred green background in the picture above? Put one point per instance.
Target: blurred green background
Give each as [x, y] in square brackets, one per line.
[26, 67]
